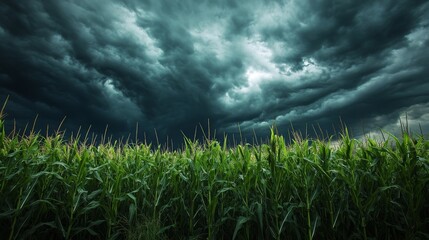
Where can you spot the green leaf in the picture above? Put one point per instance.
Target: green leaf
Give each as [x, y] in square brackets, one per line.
[241, 220]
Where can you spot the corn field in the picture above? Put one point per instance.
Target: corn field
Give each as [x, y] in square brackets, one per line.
[53, 188]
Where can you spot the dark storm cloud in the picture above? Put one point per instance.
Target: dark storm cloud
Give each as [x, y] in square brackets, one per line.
[360, 61]
[43, 57]
[171, 65]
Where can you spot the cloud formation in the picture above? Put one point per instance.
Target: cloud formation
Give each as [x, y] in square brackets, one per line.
[170, 65]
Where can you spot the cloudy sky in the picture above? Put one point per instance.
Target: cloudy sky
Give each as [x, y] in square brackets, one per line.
[171, 65]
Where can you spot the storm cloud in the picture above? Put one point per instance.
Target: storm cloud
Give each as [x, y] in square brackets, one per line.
[172, 65]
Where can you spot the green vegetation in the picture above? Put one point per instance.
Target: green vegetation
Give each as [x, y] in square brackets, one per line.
[56, 189]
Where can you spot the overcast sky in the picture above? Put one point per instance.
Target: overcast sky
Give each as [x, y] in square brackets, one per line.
[170, 65]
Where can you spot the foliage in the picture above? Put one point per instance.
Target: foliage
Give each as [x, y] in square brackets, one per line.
[56, 189]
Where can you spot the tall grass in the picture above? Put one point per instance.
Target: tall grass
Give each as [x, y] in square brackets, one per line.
[56, 189]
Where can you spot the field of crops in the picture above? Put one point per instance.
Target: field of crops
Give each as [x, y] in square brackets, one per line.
[51, 188]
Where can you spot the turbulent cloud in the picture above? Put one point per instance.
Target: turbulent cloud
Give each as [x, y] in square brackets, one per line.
[170, 65]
